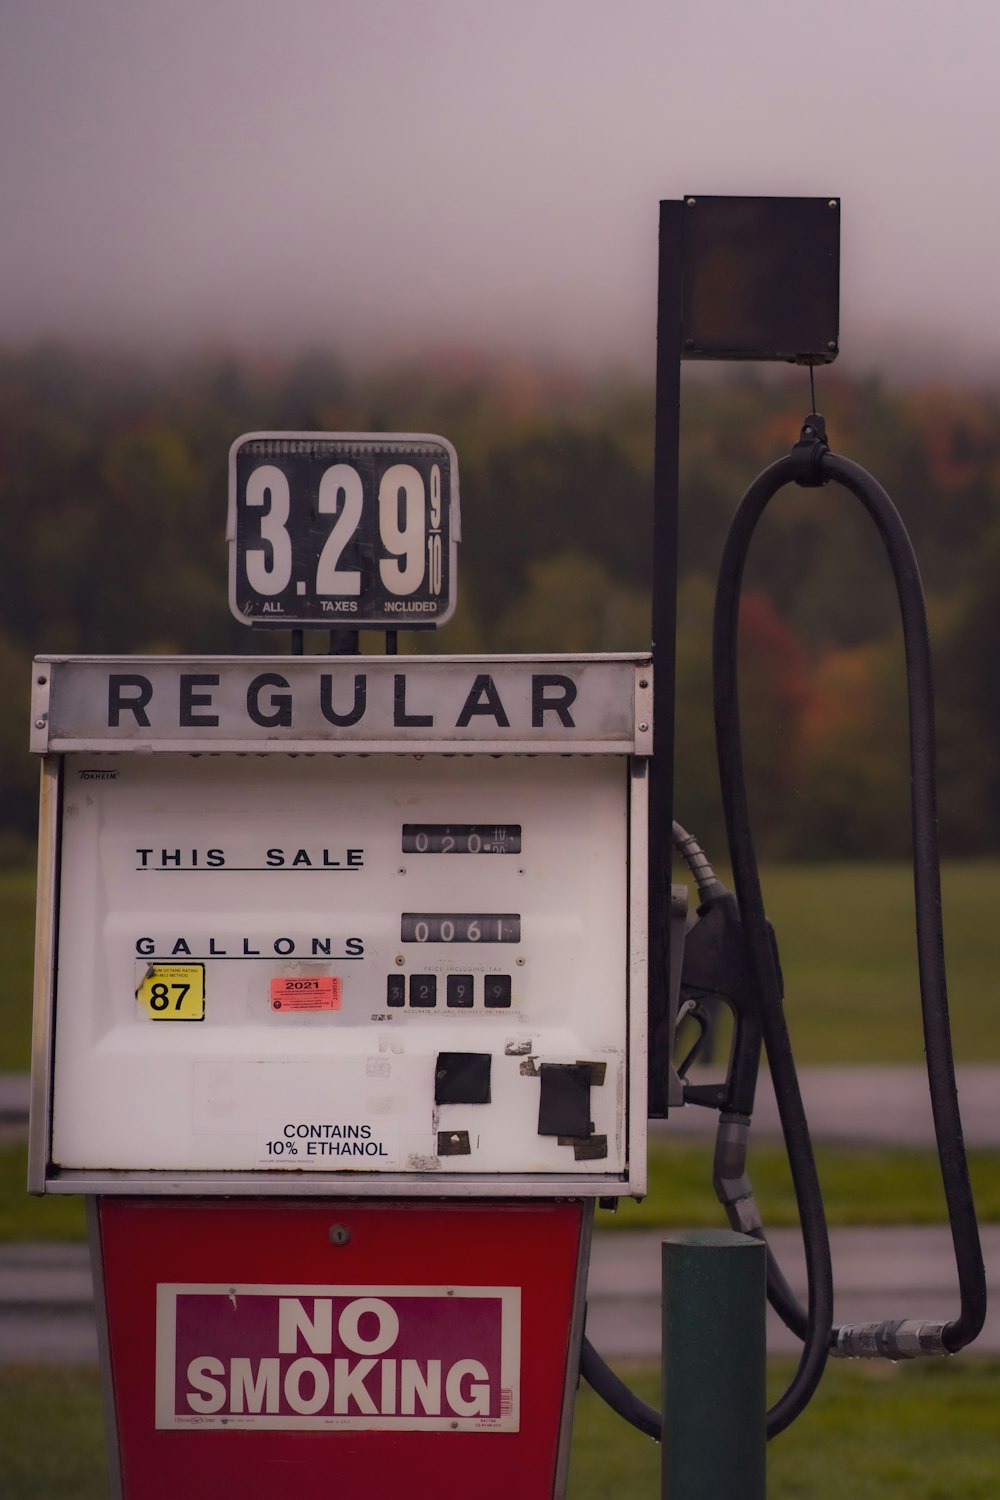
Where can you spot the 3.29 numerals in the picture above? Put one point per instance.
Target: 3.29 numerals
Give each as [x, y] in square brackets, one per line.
[410, 521]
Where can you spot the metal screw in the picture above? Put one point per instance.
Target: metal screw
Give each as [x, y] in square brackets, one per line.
[39, 723]
[339, 1234]
[42, 681]
[690, 202]
[831, 343]
[520, 963]
[644, 682]
[400, 960]
[643, 728]
[832, 203]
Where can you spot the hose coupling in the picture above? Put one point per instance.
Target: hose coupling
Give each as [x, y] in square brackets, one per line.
[906, 1338]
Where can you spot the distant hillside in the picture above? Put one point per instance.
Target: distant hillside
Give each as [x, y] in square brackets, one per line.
[113, 493]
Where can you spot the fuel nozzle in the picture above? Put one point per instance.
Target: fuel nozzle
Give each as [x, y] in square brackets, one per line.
[716, 971]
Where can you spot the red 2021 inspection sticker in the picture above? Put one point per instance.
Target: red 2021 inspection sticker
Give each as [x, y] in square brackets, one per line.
[306, 992]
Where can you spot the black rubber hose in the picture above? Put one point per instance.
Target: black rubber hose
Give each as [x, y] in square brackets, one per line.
[762, 964]
[927, 899]
[616, 1394]
[814, 1324]
[959, 1332]
[780, 1295]
[760, 951]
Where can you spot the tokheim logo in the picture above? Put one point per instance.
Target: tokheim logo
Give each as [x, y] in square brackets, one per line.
[439, 1358]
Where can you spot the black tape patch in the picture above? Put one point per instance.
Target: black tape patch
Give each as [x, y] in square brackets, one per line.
[564, 1099]
[462, 1078]
[598, 1072]
[586, 1148]
[454, 1143]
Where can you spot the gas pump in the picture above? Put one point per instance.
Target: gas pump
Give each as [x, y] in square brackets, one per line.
[357, 977]
[341, 1010]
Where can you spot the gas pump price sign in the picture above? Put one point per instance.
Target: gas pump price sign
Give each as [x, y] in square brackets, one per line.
[355, 530]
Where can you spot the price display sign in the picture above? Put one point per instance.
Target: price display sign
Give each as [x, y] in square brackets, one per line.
[344, 530]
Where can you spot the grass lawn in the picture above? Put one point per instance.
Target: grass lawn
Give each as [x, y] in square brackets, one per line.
[17, 939]
[884, 1432]
[846, 938]
[860, 1186]
[845, 932]
[879, 1432]
[54, 1217]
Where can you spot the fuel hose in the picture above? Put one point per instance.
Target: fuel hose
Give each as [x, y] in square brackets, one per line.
[811, 463]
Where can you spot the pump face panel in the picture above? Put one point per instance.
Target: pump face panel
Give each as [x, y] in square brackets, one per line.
[405, 967]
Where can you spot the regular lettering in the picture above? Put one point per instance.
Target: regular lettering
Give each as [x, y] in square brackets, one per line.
[357, 709]
[483, 699]
[551, 693]
[278, 714]
[400, 717]
[128, 693]
[191, 701]
[319, 705]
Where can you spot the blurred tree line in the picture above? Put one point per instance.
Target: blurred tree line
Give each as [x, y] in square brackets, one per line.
[113, 481]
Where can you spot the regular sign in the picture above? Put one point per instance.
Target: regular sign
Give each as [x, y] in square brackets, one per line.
[435, 1358]
[342, 530]
[596, 705]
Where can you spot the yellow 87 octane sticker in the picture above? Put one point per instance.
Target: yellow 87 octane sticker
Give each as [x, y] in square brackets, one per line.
[173, 992]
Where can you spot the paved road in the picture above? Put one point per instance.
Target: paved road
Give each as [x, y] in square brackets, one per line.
[858, 1106]
[46, 1305]
[878, 1273]
[46, 1302]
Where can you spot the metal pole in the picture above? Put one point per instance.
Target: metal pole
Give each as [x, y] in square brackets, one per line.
[665, 485]
[714, 1402]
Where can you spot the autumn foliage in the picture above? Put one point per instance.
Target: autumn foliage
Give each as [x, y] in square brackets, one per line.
[113, 488]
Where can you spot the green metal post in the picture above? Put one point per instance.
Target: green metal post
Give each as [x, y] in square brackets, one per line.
[714, 1403]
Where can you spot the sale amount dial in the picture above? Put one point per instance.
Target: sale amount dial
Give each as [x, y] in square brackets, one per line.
[342, 530]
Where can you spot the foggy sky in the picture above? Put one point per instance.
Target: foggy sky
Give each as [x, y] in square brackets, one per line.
[394, 175]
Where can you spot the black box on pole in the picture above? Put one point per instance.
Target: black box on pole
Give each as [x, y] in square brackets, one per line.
[761, 279]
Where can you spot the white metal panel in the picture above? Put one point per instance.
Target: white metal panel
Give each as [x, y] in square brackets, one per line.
[166, 857]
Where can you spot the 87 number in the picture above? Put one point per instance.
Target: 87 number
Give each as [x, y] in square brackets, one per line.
[159, 995]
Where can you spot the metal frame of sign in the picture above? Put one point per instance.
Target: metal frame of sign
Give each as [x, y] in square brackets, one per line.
[360, 704]
[305, 546]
